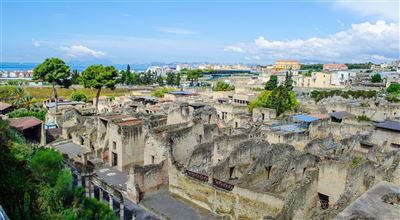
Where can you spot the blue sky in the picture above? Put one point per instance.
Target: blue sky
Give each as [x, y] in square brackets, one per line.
[197, 31]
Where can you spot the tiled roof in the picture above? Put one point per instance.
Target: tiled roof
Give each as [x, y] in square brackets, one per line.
[24, 122]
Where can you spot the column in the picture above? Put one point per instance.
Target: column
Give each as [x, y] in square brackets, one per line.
[110, 201]
[79, 177]
[101, 195]
[92, 190]
[121, 209]
[87, 186]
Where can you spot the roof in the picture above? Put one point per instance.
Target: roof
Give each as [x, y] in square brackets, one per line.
[181, 93]
[112, 176]
[320, 116]
[24, 122]
[112, 117]
[4, 106]
[372, 205]
[288, 128]
[341, 115]
[129, 122]
[53, 104]
[71, 149]
[305, 118]
[389, 125]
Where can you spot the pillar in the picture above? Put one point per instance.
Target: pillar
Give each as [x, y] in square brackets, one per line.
[110, 201]
[87, 187]
[101, 194]
[121, 209]
[92, 190]
[79, 177]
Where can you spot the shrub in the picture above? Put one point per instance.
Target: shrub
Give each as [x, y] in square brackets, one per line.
[223, 86]
[363, 118]
[39, 113]
[393, 88]
[159, 93]
[78, 96]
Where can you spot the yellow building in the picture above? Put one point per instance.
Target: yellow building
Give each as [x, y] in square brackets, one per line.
[287, 64]
[316, 80]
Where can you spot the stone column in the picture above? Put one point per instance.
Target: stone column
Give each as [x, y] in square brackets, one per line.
[101, 195]
[121, 209]
[92, 190]
[87, 186]
[79, 179]
[110, 201]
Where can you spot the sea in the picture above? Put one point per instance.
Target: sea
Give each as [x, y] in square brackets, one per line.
[14, 66]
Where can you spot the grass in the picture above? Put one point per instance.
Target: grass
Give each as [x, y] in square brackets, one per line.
[42, 93]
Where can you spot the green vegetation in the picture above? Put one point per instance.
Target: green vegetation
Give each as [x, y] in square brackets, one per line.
[359, 65]
[318, 95]
[17, 82]
[376, 78]
[173, 79]
[160, 92]
[79, 96]
[35, 184]
[97, 77]
[193, 75]
[363, 118]
[282, 98]
[312, 67]
[356, 161]
[223, 86]
[21, 98]
[272, 83]
[39, 113]
[43, 93]
[55, 72]
[394, 88]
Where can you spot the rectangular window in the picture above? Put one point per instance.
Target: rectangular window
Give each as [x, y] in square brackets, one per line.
[114, 145]
[114, 159]
[262, 116]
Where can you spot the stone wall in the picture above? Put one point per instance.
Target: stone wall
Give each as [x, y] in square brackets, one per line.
[239, 203]
[146, 179]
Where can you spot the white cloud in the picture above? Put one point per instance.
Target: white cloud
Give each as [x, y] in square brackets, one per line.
[234, 49]
[382, 9]
[361, 42]
[35, 43]
[81, 51]
[176, 30]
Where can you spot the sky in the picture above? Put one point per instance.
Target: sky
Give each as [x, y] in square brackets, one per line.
[220, 31]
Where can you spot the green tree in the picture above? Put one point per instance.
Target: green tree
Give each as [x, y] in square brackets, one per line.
[21, 98]
[376, 78]
[97, 77]
[55, 72]
[170, 80]
[178, 79]
[78, 96]
[281, 99]
[272, 83]
[193, 75]
[289, 80]
[160, 80]
[394, 88]
[222, 86]
[75, 77]
[46, 164]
